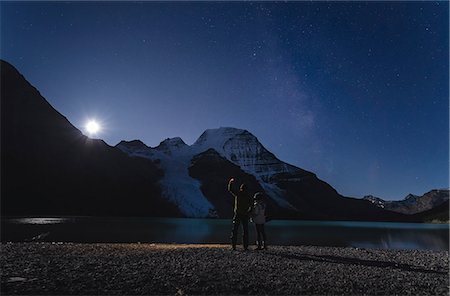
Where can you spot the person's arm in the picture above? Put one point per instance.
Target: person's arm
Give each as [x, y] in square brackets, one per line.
[230, 187]
[256, 210]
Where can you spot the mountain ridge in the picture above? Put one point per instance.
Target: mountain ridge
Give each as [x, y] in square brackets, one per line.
[412, 204]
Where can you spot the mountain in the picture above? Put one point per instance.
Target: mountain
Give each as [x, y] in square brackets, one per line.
[48, 167]
[196, 177]
[439, 213]
[412, 204]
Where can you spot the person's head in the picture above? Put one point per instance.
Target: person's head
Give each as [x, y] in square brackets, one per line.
[243, 187]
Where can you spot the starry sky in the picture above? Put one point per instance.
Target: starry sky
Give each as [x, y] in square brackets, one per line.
[356, 92]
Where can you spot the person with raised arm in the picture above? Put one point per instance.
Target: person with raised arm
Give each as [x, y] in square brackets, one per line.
[242, 207]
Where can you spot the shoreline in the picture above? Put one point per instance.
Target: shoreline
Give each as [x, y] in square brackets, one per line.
[6, 217]
[184, 269]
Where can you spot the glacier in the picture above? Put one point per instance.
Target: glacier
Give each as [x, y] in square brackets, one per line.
[236, 145]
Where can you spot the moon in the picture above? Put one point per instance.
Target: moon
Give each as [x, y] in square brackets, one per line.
[92, 127]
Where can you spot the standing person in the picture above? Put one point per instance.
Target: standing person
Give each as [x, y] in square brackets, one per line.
[259, 218]
[242, 204]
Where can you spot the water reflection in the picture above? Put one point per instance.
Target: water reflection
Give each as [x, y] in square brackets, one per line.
[184, 230]
[39, 221]
[165, 230]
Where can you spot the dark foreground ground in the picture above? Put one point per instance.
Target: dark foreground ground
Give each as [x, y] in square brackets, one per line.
[46, 268]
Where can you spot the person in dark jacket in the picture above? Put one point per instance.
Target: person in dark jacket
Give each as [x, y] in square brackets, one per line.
[242, 207]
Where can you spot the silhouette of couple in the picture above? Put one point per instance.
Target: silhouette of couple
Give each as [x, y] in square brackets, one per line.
[246, 207]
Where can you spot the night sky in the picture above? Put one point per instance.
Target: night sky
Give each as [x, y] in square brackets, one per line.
[356, 92]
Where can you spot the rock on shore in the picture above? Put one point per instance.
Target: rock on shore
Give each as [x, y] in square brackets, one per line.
[52, 268]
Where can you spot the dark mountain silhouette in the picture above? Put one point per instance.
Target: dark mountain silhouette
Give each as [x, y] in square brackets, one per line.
[316, 199]
[49, 167]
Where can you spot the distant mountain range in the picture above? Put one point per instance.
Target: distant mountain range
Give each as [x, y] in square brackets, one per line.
[50, 168]
[414, 204]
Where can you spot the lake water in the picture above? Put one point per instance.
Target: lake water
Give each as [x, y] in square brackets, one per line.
[382, 235]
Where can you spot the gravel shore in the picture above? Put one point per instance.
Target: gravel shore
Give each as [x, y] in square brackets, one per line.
[136, 269]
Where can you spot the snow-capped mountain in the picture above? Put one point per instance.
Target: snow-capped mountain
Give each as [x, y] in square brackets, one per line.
[190, 171]
[236, 145]
[412, 204]
[243, 149]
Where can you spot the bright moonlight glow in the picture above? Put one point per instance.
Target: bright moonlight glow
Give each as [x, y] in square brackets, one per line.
[92, 127]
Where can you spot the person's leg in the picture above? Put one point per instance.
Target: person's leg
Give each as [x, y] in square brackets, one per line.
[245, 228]
[263, 234]
[258, 236]
[234, 232]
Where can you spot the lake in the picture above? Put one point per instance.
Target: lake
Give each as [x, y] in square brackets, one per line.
[381, 235]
